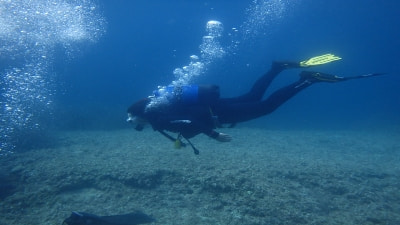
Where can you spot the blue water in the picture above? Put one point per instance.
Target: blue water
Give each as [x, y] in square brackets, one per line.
[101, 56]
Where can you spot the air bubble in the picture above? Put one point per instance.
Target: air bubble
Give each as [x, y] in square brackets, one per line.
[210, 49]
[29, 33]
[214, 28]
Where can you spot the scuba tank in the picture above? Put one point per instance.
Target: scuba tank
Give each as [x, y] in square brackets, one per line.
[189, 94]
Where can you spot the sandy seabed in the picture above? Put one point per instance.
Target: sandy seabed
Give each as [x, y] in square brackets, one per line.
[261, 177]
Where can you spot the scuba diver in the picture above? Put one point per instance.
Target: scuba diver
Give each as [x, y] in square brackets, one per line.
[193, 109]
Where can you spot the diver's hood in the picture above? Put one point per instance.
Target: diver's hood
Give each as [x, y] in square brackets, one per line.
[138, 108]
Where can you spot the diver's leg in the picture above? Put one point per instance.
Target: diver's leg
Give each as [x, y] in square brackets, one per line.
[260, 86]
[243, 111]
[307, 78]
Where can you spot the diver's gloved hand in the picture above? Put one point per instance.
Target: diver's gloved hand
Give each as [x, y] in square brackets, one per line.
[223, 137]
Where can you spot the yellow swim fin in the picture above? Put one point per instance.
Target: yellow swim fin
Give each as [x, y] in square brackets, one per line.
[319, 60]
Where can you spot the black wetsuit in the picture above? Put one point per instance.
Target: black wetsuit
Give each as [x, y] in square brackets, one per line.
[192, 119]
[250, 105]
